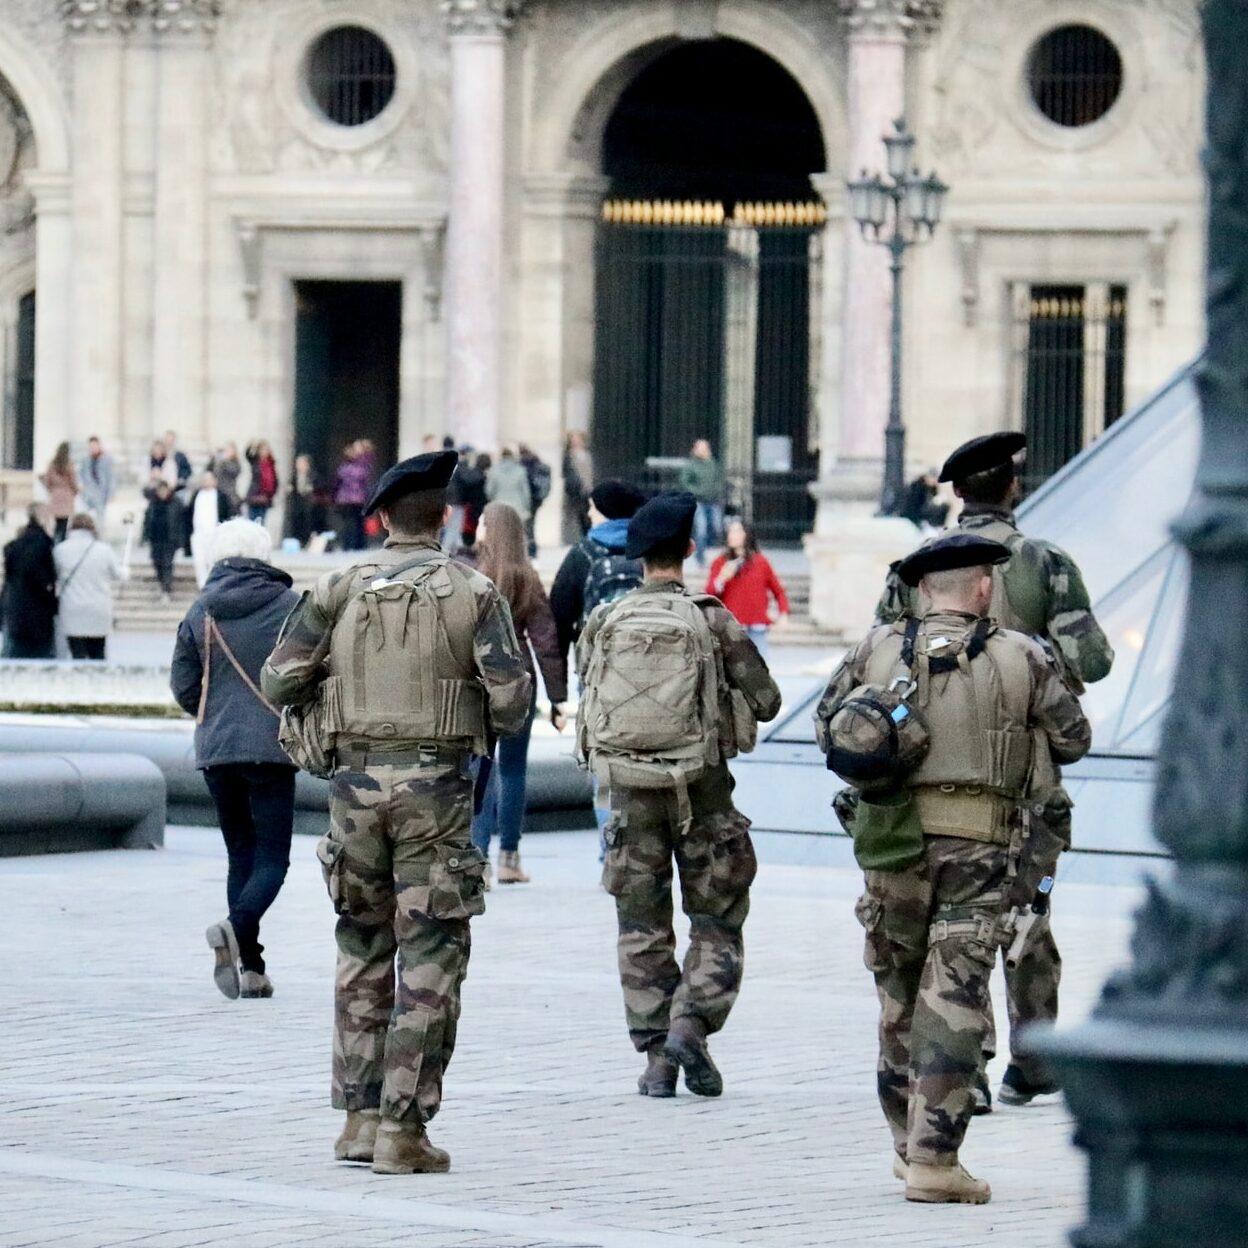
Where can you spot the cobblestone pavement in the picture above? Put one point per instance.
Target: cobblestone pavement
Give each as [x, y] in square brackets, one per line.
[139, 1107]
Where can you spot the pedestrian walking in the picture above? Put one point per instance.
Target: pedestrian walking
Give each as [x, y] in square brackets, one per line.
[209, 507]
[1039, 592]
[305, 507]
[96, 477]
[503, 776]
[508, 482]
[743, 579]
[221, 645]
[162, 530]
[29, 594]
[538, 473]
[578, 485]
[61, 482]
[351, 487]
[453, 529]
[227, 466]
[415, 659]
[264, 481]
[702, 476]
[87, 576]
[180, 465]
[472, 495]
[940, 719]
[674, 689]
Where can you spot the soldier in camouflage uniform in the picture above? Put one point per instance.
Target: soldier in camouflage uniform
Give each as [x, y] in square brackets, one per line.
[991, 700]
[1039, 592]
[672, 1010]
[407, 664]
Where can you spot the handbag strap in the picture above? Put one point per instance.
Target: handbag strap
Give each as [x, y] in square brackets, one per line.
[65, 583]
[213, 632]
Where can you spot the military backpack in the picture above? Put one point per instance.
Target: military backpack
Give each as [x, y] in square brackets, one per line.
[650, 715]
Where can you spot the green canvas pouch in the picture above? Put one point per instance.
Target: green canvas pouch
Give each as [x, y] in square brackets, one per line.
[887, 833]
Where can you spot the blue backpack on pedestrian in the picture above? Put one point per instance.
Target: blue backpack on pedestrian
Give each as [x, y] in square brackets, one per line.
[611, 576]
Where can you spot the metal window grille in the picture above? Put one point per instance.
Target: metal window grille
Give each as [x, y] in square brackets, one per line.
[19, 414]
[707, 326]
[1073, 343]
[1075, 75]
[351, 75]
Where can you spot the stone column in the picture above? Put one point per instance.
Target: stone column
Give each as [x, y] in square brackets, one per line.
[184, 31]
[53, 312]
[851, 548]
[98, 29]
[477, 31]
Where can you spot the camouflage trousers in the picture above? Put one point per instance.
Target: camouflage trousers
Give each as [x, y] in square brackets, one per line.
[716, 863]
[404, 879]
[931, 944]
[1031, 985]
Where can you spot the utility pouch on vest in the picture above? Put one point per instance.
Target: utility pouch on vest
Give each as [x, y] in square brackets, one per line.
[969, 813]
[1009, 755]
[887, 831]
[307, 733]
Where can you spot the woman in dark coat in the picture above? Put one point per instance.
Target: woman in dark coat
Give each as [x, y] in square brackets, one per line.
[222, 644]
[29, 614]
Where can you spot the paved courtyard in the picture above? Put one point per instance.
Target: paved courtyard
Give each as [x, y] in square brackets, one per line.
[139, 1107]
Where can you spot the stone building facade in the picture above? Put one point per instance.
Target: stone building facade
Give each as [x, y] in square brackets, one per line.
[193, 191]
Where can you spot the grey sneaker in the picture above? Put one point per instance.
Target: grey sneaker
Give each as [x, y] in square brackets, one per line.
[255, 984]
[223, 943]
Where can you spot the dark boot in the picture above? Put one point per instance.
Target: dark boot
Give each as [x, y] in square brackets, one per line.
[981, 1096]
[404, 1148]
[660, 1074]
[686, 1046]
[359, 1135]
[1017, 1089]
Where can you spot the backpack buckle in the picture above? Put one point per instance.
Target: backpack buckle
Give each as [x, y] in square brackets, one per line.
[910, 686]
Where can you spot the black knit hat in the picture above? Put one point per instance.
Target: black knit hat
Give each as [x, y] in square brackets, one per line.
[617, 500]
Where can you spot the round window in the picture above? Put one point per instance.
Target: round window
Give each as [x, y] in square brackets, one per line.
[350, 74]
[1075, 75]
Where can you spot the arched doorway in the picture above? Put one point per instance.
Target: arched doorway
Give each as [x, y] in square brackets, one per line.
[706, 318]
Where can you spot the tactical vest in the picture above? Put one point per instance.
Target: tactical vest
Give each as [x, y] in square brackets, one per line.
[974, 690]
[1020, 593]
[402, 655]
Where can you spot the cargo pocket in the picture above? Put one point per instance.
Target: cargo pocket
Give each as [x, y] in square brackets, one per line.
[456, 882]
[733, 861]
[615, 860]
[877, 953]
[329, 855]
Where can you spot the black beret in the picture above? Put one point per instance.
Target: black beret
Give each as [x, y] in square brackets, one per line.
[981, 454]
[958, 550]
[431, 471]
[669, 517]
[617, 500]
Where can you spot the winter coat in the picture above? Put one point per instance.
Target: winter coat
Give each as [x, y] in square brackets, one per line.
[30, 588]
[86, 572]
[97, 480]
[248, 600]
[747, 593]
[162, 521]
[353, 482]
[567, 593]
[508, 482]
[227, 472]
[263, 488]
[62, 490]
[704, 479]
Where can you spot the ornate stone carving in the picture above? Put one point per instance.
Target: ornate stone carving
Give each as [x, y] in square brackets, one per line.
[903, 17]
[187, 17]
[480, 17]
[104, 16]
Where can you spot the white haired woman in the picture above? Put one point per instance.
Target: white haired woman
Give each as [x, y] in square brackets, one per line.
[222, 643]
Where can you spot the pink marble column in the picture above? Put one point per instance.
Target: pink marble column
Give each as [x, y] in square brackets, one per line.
[473, 275]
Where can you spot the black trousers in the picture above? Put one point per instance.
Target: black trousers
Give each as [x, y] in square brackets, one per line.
[86, 647]
[162, 562]
[256, 809]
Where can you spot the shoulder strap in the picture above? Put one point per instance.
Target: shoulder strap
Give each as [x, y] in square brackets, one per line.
[74, 569]
[211, 633]
[973, 649]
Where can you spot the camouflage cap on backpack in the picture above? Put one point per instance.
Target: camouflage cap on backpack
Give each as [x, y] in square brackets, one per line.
[876, 739]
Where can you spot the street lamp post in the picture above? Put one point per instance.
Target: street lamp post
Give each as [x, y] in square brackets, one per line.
[1158, 1077]
[897, 211]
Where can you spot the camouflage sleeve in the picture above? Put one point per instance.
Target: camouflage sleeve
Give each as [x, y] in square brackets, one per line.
[1055, 710]
[296, 667]
[897, 601]
[744, 667]
[847, 677]
[1080, 641]
[500, 663]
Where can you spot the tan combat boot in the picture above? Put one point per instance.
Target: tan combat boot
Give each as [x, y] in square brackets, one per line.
[659, 1077]
[900, 1169]
[488, 878]
[359, 1135]
[944, 1185]
[404, 1148]
[509, 869]
[255, 984]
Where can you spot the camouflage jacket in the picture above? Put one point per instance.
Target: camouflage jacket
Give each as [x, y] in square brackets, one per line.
[743, 667]
[1060, 615]
[297, 666]
[1053, 708]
